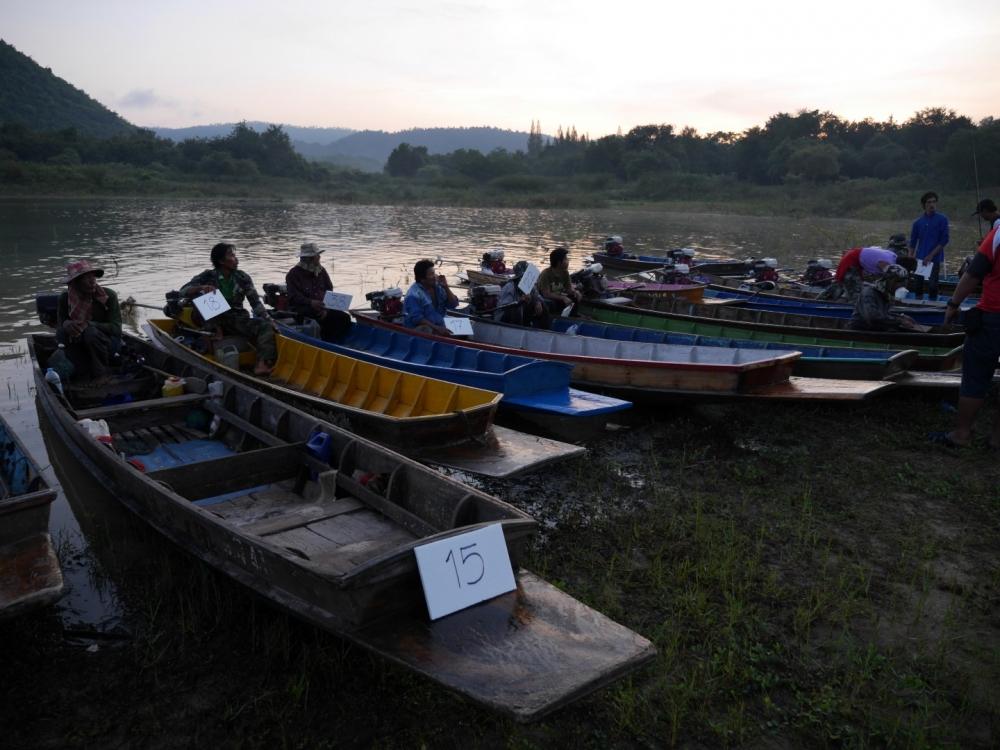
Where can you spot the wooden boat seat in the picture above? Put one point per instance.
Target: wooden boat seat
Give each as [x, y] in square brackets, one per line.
[221, 475]
[108, 412]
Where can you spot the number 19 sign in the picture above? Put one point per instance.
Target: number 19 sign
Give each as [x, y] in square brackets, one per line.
[463, 570]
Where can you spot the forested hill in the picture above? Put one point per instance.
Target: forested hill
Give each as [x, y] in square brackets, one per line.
[374, 146]
[35, 97]
[219, 130]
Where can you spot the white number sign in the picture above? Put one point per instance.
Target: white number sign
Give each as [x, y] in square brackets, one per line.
[210, 305]
[337, 301]
[459, 326]
[527, 282]
[463, 570]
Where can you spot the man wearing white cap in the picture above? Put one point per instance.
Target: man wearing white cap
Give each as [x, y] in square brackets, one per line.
[307, 283]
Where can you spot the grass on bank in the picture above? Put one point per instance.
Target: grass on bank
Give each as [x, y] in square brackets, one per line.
[812, 576]
[868, 199]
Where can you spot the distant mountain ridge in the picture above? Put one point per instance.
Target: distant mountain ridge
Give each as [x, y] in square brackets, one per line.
[37, 98]
[367, 149]
[215, 130]
[376, 145]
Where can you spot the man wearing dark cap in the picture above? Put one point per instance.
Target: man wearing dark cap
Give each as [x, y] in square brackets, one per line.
[982, 337]
[89, 323]
[928, 238]
[307, 283]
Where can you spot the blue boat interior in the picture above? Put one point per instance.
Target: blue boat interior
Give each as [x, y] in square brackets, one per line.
[171, 455]
[629, 333]
[525, 382]
[16, 470]
[826, 310]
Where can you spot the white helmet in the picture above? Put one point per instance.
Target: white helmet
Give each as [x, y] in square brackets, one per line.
[596, 267]
[687, 252]
[771, 262]
[824, 263]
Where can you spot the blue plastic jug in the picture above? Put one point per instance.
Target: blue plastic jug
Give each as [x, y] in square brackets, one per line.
[320, 445]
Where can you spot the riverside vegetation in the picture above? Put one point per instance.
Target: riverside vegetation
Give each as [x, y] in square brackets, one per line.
[809, 163]
[812, 576]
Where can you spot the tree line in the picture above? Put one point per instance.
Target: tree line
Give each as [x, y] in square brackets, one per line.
[242, 154]
[935, 144]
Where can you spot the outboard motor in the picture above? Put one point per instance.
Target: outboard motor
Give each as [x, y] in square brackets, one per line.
[388, 303]
[47, 306]
[182, 310]
[765, 272]
[613, 246]
[276, 296]
[592, 283]
[818, 273]
[493, 261]
[484, 298]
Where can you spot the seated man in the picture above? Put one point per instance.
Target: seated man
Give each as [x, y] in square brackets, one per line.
[554, 283]
[236, 286]
[307, 283]
[427, 300]
[89, 324]
[873, 312]
[518, 308]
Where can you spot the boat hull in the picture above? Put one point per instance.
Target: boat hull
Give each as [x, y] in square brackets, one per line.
[638, 377]
[30, 575]
[399, 432]
[938, 350]
[524, 654]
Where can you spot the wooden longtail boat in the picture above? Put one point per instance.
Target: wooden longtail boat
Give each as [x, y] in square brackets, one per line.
[30, 575]
[931, 316]
[478, 277]
[653, 262]
[324, 524]
[647, 370]
[938, 351]
[816, 361]
[526, 384]
[693, 292]
[690, 292]
[422, 417]
[803, 293]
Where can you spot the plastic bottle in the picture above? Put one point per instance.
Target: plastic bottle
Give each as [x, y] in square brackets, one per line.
[173, 386]
[53, 379]
[97, 429]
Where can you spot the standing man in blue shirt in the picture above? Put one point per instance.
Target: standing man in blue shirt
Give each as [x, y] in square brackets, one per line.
[427, 300]
[928, 239]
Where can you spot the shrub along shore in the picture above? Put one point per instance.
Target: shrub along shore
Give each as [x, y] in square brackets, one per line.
[869, 199]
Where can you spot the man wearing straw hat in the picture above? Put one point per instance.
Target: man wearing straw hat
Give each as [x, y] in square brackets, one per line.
[307, 284]
[89, 323]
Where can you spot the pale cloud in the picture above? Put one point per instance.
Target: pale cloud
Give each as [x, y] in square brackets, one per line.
[141, 99]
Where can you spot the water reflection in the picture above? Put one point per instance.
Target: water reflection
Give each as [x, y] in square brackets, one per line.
[96, 542]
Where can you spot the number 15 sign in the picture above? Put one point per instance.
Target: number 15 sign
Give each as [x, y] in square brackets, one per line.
[463, 570]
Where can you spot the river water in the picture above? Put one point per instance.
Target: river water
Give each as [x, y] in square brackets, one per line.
[149, 247]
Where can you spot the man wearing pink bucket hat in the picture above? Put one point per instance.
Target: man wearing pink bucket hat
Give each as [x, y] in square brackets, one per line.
[89, 323]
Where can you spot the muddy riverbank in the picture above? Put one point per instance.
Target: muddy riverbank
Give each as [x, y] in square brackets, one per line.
[811, 576]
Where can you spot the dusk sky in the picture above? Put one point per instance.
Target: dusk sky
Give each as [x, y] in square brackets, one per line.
[396, 64]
